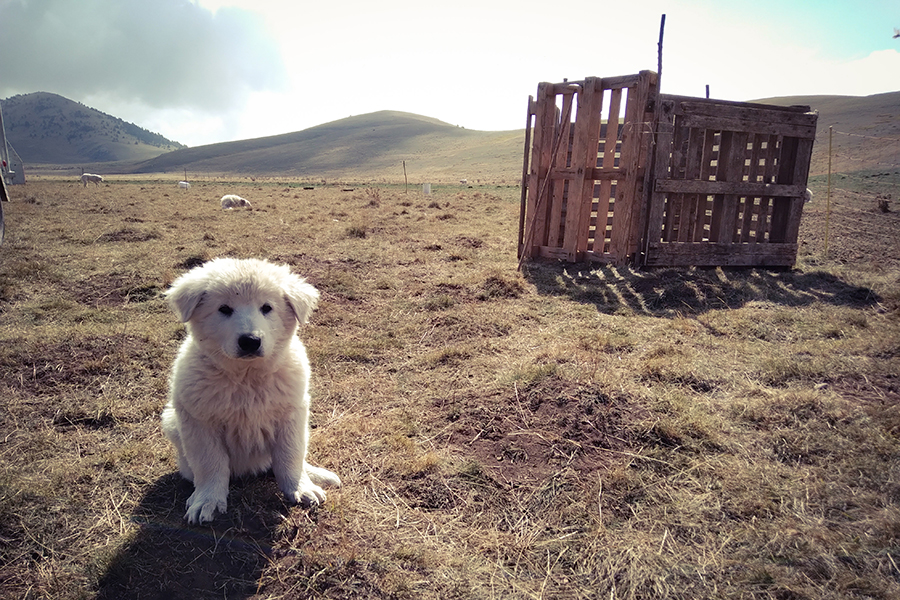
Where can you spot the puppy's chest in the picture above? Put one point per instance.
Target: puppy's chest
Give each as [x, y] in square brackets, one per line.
[249, 418]
[253, 402]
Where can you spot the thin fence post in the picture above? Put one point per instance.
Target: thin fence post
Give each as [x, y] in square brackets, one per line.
[828, 195]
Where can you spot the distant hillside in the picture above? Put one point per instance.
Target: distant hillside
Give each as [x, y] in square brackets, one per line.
[49, 129]
[866, 131]
[46, 128]
[374, 145]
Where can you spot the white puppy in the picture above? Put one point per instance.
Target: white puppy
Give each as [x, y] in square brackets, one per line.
[239, 397]
[233, 201]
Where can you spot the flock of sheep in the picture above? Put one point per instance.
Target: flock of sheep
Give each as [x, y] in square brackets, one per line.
[229, 201]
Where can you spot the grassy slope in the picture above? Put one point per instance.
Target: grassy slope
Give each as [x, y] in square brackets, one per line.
[50, 129]
[372, 146]
[867, 131]
[571, 432]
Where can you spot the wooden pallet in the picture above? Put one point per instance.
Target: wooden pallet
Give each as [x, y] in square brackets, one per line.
[729, 181]
[586, 176]
[614, 172]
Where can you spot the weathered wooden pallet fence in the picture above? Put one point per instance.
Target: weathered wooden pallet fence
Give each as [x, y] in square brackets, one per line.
[673, 181]
[729, 183]
[586, 176]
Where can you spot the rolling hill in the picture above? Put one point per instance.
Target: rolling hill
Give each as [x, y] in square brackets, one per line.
[46, 128]
[365, 146]
[866, 137]
[866, 131]
[49, 129]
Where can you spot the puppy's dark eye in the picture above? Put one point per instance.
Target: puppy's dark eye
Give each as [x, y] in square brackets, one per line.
[226, 310]
[265, 308]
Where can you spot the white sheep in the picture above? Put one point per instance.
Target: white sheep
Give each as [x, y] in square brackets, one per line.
[230, 201]
[463, 181]
[807, 196]
[90, 177]
[184, 185]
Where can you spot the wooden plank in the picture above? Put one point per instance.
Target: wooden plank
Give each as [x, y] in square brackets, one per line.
[567, 88]
[538, 182]
[675, 226]
[801, 177]
[749, 126]
[730, 168]
[692, 171]
[584, 160]
[644, 183]
[627, 228]
[715, 224]
[608, 162]
[592, 174]
[755, 112]
[781, 207]
[525, 160]
[753, 176]
[741, 188]
[665, 135]
[557, 253]
[559, 189]
[620, 82]
[763, 211]
[715, 254]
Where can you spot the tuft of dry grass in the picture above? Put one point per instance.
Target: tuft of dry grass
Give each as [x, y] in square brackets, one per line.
[571, 431]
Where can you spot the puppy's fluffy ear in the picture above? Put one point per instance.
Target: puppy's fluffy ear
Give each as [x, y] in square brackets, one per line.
[302, 297]
[186, 294]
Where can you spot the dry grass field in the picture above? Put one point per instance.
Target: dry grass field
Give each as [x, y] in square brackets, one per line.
[564, 432]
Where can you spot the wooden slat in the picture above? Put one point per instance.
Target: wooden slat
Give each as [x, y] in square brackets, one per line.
[584, 156]
[665, 134]
[523, 201]
[559, 159]
[622, 81]
[749, 126]
[692, 168]
[538, 184]
[704, 202]
[796, 115]
[753, 176]
[625, 239]
[608, 166]
[592, 174]
[741, 188]
[715, 254]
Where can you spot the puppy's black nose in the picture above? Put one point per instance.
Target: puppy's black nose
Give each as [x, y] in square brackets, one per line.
[249, 343]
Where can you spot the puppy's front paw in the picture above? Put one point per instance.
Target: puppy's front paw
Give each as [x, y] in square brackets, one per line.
[201, 508]
[306, 494]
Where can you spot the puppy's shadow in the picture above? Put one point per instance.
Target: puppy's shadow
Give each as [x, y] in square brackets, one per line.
[167, 559]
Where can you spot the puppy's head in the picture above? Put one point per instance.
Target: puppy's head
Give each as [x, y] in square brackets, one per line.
[242, 309]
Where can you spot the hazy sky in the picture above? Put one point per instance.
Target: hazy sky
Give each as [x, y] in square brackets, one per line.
[217, 70]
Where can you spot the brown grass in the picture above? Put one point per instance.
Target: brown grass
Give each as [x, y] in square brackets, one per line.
[569, 432]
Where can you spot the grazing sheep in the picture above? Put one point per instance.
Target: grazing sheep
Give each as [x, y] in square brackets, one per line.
[463, 181]
[184, 185]
[89, 177]
[230, 201]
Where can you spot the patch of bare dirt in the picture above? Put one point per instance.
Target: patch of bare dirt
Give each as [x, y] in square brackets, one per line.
[545, 428]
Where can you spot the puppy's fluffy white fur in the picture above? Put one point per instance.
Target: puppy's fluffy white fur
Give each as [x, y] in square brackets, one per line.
[239, 387]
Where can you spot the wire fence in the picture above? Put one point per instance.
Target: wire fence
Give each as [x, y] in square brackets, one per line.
[860, 200]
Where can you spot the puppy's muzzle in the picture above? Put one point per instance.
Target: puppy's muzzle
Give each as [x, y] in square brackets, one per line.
[250, 345]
